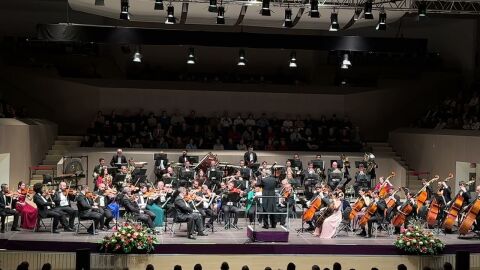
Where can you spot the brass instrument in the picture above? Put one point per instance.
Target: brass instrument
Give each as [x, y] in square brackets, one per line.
[370, 159]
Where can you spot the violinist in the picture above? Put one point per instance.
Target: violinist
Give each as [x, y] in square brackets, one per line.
[378, 216]
[230, 200]
[129, 201]
[46, 208]
[62, 199]
[149, 196]
[103, 201]
[86, 209]
[253, 202]
[286, 202]
[25, 207]
[104, 178]
[205, 205]
[6, 203]
[185, 213]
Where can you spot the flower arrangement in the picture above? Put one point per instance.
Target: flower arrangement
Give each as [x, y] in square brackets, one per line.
[129, 238]
[416, 241]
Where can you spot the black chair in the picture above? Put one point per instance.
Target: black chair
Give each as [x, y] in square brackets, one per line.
[80, 224]
[41, 224]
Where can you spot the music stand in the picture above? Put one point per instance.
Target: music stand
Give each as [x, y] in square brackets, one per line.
[138, 171]
[140, 179]
[245, 173]
[159, 156]
[119, 178]
[339, 163]
[192, 159]
[317, 164]
[296, 163]
[215, 176]
[112, 171]
[119, 165]
[170, 181]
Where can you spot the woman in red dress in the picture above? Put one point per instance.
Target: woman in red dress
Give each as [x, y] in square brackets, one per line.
[26, 207]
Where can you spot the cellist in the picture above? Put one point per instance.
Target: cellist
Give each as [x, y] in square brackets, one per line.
[410, 199]
[378, 216]
[365, 196]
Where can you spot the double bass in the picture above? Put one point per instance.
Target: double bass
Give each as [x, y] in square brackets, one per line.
[470, 217]
[383, 192]
[434, 209]
[422, 194]
[404, 211]
[454, 210]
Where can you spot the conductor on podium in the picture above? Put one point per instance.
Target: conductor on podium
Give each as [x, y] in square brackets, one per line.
[269, 203]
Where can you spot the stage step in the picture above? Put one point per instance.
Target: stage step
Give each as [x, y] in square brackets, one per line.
[70, 138]
[37, 176]
[34, 181]
[61, 147]
[53, 157]
[49, 162]
[57, 152]
[42, 172]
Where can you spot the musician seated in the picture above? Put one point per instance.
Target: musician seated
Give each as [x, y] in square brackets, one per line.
[98, 169]
[86, 210]
[206, 205]
[62, 199]
[381, 183]
[330, 218]
[103, 202]
[254, 203]
[410, 199]
[286, 203]
[129, 201]
[365, 196]
[46, 209]
[334, 176]
[184, 213]
[362, 179]
[187, 175]
[6, 208]
[476, 226]
[377, 217]
[230, 201]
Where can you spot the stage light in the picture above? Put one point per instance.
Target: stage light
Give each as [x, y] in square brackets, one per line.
[314, 13]
[345, 62]
[288, 18]
[293, 60]
[221, 15]
[382, 21]
[99, 2]
[137, 56]
[422, 9]
[367, 10]
[124, 15]
[242, 61]
[191, 56]
[334, 26]
[170, 15]
[158, 5]
[212, 7]
[265, 8]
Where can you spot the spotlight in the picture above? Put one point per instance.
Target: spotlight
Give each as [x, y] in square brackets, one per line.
[99, 2]
[334, 26]
[293, 60]
[288, 18]
[242, 61]
[221, 15]
[367, 10]
[124, 15]
[314, 13]
[158, 5]
[382, 21]
[170, 15]
[265, 8]
[345, 62]
[213, 6]
[191, 56]
[422, 9]
[137, 56]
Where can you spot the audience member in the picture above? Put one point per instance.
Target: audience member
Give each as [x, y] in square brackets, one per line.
[315, 267]
[177, 267]
[23, 266]
[220, 132]
[245, 267]
[447, 266]
[47, 266]
[401, 267]
[224, 266]
[291, 266]
[197, 267]
[337, 266]
[150, 267]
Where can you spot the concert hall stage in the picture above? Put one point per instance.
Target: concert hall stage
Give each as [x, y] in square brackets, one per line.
[230, 242]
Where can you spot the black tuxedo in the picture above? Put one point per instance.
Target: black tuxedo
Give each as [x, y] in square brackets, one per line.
[67, 210]
[184, 213]
[85, 211]
[269, 204]
[114, 160]
[104, 209]
[246, 158]
[290, 201]
[44, 212]
[132, 208]
[182, 159]
[379, 215]
[4, 211]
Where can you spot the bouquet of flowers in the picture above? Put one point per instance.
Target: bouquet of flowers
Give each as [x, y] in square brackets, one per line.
[129, 238]
[416, 241]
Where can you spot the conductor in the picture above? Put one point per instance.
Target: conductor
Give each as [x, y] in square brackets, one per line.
[268, 183]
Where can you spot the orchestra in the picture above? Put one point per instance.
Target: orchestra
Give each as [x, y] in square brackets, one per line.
[211, 191]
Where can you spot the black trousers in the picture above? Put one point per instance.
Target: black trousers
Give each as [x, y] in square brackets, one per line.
[10, 212]
[145, 218]
[371, 221]
[70, 212]
[227, 210]
[194, 222]
[207, 212]
[282, 218]
[58, 216]
[107, 216]
[91, 215]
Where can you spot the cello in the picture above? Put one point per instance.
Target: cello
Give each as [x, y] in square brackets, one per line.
[390, 201]
[372, 208]
[383, 192]
[455, 209]
[404, 211]
[357, 207]
[422, 194]
[314, 207]
[434, 209]
[470, 217]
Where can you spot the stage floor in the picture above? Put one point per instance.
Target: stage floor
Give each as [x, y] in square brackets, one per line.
[230, 241]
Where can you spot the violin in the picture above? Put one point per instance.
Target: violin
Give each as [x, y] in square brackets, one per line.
[91, 195]
[69, 191]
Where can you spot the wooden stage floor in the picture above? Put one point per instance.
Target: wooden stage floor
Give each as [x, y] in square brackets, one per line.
[230, 241]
